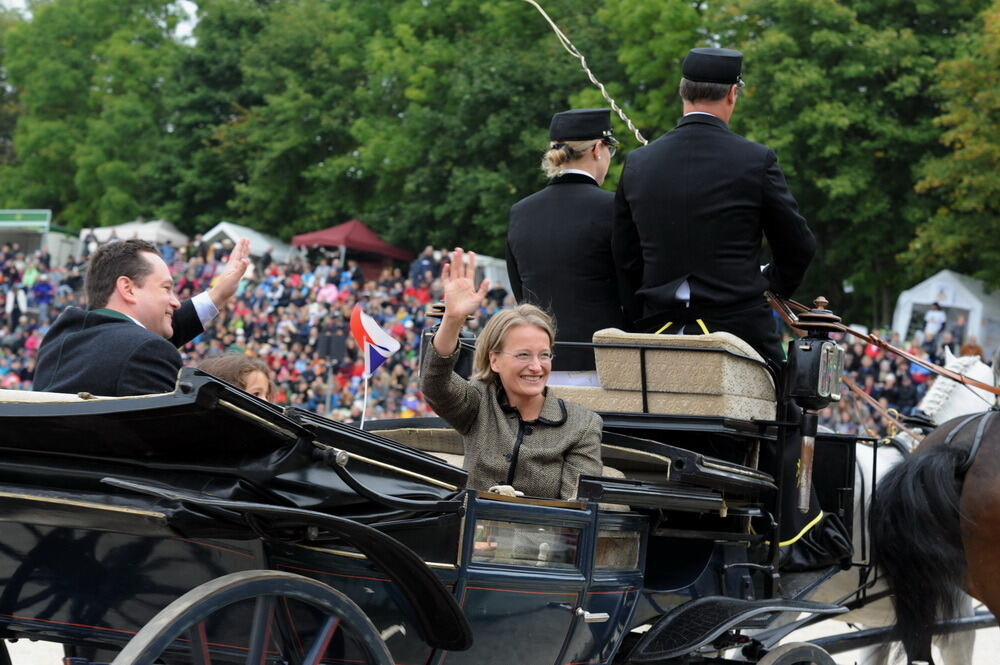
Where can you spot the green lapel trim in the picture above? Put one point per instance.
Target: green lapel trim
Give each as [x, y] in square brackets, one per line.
[112, 313]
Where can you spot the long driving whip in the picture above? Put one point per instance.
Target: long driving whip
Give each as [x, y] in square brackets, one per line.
[575, 52]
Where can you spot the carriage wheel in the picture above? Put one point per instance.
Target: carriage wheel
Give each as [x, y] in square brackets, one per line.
[187, 618]
[797, 653]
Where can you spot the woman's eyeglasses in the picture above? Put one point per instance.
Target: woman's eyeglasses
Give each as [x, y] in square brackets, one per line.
[524, 357]
[611, 144]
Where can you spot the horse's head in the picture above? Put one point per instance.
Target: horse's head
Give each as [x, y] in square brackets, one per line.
[948, 399]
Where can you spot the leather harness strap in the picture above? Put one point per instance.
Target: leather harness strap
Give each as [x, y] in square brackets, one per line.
[884, 412]
[787, 308]
[977, 441]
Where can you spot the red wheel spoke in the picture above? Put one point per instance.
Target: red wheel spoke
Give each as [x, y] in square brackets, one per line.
[199, 645]
[260, 631]
[322, 641]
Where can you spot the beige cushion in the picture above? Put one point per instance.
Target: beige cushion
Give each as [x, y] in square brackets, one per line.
[454, 460]
[430, 440]
[675, 370]
[688, 404]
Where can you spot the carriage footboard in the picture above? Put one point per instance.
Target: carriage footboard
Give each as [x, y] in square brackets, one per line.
[698, 623]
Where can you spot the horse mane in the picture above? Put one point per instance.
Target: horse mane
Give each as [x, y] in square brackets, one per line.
[943, 388]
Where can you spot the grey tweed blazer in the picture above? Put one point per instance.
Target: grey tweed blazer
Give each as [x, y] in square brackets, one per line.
[542, 458]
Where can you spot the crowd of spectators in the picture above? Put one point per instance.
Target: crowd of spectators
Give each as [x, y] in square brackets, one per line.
[296, 317]
[891, 380]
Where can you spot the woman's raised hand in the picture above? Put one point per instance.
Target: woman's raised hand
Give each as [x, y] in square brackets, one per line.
[461, 297]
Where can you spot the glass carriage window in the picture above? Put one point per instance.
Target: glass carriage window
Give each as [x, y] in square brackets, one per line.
[525, 544]
[617, 550]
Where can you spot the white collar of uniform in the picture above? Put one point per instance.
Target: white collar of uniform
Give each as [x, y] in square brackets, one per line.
[579, 171]
[700, 113]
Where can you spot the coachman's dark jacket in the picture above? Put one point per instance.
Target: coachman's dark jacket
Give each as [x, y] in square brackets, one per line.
[559, 258]
[694, 205]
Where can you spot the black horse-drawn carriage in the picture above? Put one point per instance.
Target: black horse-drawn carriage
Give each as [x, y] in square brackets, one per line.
[205, 525]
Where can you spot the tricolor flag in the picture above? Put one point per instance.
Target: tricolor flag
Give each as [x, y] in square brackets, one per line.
[375, 343]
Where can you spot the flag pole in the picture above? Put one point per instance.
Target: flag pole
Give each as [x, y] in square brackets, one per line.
[364, 403]
[375, 343]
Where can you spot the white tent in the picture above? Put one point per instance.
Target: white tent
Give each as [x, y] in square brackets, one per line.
[259, 242]
[493, 269]
[957, 294]
[157, 232]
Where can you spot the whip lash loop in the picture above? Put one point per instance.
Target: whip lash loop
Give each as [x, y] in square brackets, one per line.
[575, 52]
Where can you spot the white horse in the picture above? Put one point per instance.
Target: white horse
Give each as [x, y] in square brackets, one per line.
[945, 400]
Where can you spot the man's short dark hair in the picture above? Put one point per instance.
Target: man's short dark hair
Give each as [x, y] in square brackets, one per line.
[113, 260]
[696, 91]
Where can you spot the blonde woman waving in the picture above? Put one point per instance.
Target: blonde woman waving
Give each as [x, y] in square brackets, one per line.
[515, 432]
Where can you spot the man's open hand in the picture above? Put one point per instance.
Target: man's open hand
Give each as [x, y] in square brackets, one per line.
[236, 266]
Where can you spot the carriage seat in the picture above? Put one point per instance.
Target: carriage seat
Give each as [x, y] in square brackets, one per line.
[700, 375]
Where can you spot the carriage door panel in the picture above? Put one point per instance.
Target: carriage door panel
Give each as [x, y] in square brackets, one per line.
[524, 581]
[616, 578]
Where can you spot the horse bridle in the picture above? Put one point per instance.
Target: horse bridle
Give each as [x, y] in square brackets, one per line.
[977, 441]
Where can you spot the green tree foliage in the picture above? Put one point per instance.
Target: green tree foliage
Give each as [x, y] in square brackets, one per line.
[453, 133]
[295, 145]
[841, 91]
[652, 39]
[962, 234]
[204, 93]
[427, 118]
[116, 175]
[8, 97]
[89, 73]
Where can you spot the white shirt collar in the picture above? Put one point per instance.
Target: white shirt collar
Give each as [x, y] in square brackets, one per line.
[579, 171]
[700, 113]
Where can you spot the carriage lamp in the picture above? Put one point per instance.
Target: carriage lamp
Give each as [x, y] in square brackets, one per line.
[814, 370]
[812, 380]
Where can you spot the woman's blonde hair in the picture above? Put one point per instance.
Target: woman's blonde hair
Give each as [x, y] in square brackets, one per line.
[492, 337]
[561, 152]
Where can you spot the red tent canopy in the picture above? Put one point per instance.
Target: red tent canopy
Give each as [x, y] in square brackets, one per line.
[352, 235]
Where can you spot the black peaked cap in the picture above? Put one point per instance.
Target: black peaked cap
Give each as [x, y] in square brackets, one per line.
[713, 65]
[580, 125]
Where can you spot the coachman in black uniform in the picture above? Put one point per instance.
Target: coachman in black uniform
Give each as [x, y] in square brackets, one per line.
[559, 239]
[690, 213]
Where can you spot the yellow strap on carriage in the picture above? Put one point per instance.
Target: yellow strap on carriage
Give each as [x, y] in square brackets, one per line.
[701, 324]
[665, 326]
[791, 541]
[816, 520]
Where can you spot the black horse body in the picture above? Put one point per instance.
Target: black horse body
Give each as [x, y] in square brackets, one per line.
[931, 524]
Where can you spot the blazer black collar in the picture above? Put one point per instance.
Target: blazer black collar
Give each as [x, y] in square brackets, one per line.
[702, 119]
[553, 410]
[573, 178]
